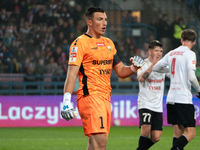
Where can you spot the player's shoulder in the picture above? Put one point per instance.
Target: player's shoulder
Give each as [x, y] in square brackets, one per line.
[186, 49]
[147, 62]
[188, 52]
[181, 50]
[108, 40]
[191, 52]
[81, 39]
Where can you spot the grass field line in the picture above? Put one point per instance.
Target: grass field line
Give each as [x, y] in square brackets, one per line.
[83, 138]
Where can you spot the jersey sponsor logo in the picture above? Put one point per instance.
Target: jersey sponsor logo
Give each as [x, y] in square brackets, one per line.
[193, 62]
[74, 49]
[155, 81]
[175, 88]
[73, 57]
[102, 62]
[100, 44]
[105, 71]
[94, 48]
[177, 53]
[154, 88]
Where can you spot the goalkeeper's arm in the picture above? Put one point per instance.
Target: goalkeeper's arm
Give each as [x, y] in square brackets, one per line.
[71, 78]
[67, 111]
[124, 71]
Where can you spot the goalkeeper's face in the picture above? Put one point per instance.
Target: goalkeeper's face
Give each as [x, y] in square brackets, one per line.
[98, 23]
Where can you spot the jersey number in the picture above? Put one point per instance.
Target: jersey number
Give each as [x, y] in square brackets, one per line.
[147, 116]
[173, 66]
[102, 127]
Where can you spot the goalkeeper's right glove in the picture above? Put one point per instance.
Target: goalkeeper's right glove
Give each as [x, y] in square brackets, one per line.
[67, 111]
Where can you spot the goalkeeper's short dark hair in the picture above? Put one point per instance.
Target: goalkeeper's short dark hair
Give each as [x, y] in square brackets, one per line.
[154, 43]
[90, 12]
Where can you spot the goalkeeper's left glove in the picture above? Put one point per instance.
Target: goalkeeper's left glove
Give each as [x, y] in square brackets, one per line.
[137, 62]
[67, 111]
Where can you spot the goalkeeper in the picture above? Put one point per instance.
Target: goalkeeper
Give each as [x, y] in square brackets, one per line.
[93, 57]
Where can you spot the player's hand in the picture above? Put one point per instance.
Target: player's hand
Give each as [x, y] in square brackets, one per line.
[67, 111]
[137, 61]
[198, 95]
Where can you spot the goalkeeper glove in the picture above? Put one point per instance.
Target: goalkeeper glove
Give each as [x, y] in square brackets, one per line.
[67, 111]
[137, 61]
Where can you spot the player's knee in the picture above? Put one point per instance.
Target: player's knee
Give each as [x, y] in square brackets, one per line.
[156, 139]
[192, 134]
[145, 133]
[102, 143]
[145, 129]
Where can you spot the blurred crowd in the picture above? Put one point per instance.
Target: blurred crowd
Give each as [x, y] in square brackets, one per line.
[169, 34]
[35, 35]
[194, 5]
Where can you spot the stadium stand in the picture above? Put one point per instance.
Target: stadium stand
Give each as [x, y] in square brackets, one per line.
[35, 36]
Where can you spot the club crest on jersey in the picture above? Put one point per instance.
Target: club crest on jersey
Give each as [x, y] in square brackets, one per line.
[109, 47]
[193, 62]
[100, 44]
[74, 49]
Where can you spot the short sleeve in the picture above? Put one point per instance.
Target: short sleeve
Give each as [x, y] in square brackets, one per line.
[76, 53]
[113, 49]
[191, 61]
[116, 59]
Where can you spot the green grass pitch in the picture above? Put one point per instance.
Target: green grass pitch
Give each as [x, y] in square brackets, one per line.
[72, 138]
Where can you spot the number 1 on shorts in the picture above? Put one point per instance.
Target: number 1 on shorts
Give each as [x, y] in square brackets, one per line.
[102, 127]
